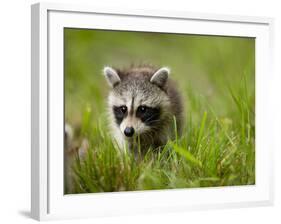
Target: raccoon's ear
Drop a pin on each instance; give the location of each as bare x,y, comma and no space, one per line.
160,77
111,76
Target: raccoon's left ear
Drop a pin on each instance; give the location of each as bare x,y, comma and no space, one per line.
160,77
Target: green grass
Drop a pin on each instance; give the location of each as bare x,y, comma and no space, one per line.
214,152
216,76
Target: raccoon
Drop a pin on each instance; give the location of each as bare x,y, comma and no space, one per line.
142,103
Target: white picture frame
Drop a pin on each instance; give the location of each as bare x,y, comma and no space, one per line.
48,200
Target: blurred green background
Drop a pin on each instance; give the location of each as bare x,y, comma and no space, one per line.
205,67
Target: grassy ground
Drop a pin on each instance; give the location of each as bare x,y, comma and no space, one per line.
217,79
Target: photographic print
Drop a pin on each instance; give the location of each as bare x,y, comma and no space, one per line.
153,111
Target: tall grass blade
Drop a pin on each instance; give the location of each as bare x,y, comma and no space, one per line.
187,155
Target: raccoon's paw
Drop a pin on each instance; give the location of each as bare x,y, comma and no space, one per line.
83,148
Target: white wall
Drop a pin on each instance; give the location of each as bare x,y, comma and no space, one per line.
15,110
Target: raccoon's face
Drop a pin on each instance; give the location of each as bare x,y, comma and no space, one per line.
137,103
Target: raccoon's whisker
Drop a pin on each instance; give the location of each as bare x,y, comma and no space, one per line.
149,120
153,121
149,136
152,133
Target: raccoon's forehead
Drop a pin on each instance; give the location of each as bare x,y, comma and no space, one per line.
140,93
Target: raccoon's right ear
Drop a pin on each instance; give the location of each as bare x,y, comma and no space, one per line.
111,76
160,77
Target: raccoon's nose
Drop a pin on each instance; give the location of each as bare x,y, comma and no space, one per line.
129,131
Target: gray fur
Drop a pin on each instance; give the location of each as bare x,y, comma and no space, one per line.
150,86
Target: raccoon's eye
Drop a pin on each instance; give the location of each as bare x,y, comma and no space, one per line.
148,115
142,109
123,109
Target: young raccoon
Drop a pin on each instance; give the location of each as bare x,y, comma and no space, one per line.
143,102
